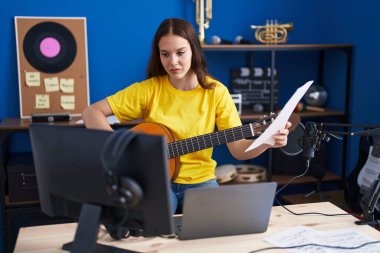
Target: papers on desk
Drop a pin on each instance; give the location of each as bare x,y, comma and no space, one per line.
111,120
281,119
304,235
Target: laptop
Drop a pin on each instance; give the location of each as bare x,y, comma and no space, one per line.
226,210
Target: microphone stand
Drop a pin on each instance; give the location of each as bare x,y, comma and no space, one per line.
314,134
371,196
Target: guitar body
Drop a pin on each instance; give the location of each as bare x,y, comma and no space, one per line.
352,189
364,173
158,129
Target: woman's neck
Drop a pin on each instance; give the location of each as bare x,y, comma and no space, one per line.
188,82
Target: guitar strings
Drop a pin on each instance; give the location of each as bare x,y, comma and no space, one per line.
193,144
197,143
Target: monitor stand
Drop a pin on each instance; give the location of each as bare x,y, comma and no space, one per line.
87,234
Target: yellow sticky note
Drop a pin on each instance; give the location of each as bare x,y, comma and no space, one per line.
51,84
68,102
67,85
32,79
42,101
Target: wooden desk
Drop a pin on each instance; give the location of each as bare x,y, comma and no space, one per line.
49,239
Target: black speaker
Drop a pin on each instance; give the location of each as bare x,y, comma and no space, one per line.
22,181
50,117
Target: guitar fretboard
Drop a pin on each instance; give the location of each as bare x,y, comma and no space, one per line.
193,144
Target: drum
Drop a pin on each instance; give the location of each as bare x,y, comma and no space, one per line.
225,173
249,173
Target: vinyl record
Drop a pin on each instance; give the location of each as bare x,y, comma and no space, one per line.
49,47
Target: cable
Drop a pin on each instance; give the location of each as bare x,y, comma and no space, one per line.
294,178
308,213
316,245
291,180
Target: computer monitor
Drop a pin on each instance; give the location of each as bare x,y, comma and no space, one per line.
102,177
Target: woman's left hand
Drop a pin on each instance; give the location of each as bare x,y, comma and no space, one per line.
281,138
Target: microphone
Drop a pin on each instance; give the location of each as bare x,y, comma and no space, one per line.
306,139
216,40
240,40
309,140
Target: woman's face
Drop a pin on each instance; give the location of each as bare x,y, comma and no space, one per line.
175,55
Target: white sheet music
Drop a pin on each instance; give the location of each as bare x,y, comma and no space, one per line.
281,119
304,235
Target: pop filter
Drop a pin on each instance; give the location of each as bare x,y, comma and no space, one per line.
294,144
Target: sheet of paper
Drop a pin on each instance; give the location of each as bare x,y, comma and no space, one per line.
304,235
68,102
32,79
281,119
51,84
111,120
42,101
66,85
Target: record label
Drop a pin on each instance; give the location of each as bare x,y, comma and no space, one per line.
50,47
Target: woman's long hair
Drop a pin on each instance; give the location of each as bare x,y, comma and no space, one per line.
185,30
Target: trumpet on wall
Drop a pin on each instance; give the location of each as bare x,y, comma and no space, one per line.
203,16
272,33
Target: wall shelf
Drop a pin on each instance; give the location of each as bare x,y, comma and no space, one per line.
284,47
341,115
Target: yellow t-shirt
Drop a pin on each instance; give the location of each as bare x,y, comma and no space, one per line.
185,113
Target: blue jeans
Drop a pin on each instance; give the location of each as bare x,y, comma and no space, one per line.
178,192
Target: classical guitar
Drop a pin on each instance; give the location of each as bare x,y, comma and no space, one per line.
177,148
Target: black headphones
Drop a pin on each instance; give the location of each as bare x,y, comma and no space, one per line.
125,191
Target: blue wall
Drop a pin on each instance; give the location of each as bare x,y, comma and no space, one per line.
120,32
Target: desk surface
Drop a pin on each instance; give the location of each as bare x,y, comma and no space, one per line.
50,238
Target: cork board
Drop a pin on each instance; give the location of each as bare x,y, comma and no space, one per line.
52,65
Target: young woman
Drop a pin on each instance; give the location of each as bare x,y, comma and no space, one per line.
181,95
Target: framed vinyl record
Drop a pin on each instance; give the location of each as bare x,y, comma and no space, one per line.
52,65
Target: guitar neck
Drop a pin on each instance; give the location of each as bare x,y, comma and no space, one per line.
193,144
